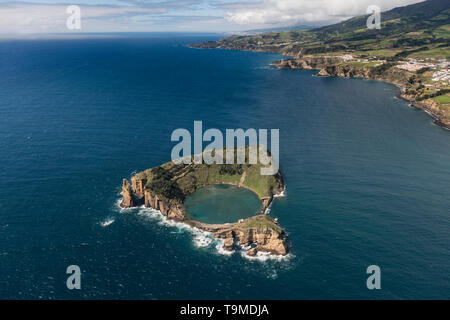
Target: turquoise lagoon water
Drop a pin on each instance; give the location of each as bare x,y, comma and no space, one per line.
367,176
222,204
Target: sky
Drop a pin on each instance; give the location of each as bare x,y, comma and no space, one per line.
49,16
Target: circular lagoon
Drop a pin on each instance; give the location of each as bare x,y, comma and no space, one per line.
222,204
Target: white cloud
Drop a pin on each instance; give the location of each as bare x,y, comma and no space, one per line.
309,12
179,15
43,18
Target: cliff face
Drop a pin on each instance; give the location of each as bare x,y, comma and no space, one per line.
337,67
265,237
412,35
165,188
170,208
128,200
307,63
407,81
138,186
344,71
266,240
327,66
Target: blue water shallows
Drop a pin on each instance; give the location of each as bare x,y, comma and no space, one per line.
367,176
222,204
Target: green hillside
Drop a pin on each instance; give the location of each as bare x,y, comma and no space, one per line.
405,30
412,50
175,181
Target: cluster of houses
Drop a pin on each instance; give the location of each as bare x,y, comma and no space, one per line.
443,74
441,68
414,65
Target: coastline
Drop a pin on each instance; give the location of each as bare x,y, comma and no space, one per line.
298,62
323,72
248,233
166,187
202,238
418,105
411,50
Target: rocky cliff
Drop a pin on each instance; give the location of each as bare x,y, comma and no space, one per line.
265,240
128,199
134,194
307,63
261,232
411,87
328,67
164,188
412,36
172,209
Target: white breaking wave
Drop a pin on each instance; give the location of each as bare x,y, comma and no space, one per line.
221,250
107,222
281,194
265,256
203,239
121,209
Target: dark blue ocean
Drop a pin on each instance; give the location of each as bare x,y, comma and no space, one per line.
368,177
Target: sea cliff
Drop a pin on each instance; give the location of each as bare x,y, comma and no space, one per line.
409,84
410,50
165,188
416,87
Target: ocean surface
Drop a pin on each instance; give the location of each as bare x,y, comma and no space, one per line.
367,176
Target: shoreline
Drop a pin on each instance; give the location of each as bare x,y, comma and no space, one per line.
418,105
214,243
437,120
413,102
259,231
251,243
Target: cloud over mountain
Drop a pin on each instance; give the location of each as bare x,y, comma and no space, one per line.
49,16
313,12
